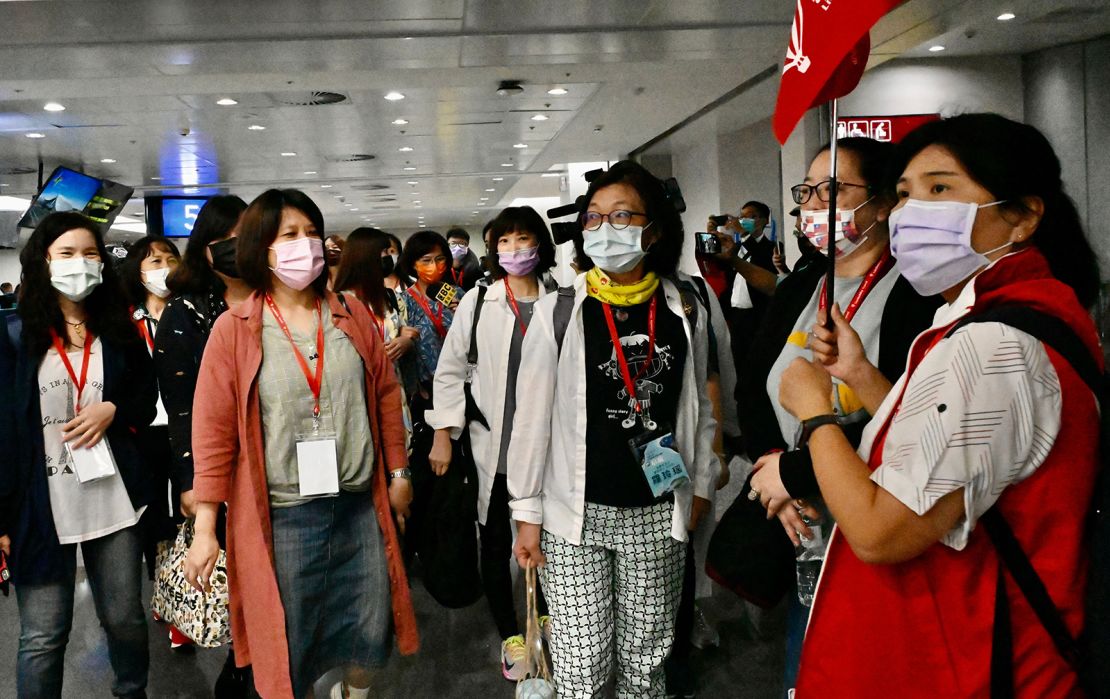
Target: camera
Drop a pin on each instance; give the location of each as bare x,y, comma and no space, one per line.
707,243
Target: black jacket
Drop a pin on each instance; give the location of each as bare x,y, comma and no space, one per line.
467,275
905,316
25,513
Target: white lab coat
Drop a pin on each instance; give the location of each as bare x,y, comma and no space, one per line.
495,333
547,454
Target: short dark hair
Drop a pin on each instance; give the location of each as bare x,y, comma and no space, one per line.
520,218
457,232
259,229
360,268
762,209
663,256
418,245
130,270
1012,161
395,242
217,218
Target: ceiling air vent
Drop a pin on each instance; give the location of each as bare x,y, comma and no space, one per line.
1070,15
370,187
313,98
352,158
17,170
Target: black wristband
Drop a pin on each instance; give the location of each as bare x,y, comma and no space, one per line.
796,474
808,426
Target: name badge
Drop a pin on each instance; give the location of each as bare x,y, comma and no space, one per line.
317,467
663,467
92,463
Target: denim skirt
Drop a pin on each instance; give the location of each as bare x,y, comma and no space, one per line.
334,586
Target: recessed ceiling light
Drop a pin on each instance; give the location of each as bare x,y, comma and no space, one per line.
4,184
498,179
539,117
557,91
354,208
491,190
413,182
156,179
473,212
417,201
190,190
408,38
404,149
107,161
394,96
54,107
414,193
325,186
936,49
35,134
227,102
256,127
288,154
400,122
338,196
310,172
408,169
520,145
1006,16
506,164
551,174
416,206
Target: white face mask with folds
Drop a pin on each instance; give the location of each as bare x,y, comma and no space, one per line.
75,277
615,250
155,281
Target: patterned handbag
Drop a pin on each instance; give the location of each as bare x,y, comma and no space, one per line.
203,617
537,684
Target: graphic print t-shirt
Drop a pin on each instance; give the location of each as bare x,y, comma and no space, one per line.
613,473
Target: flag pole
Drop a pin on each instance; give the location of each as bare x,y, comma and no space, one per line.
830,278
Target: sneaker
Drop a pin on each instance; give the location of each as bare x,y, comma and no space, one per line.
703,635
545,628
513,654
179,640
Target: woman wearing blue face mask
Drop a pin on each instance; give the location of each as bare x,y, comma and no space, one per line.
76,384
611,459
973,434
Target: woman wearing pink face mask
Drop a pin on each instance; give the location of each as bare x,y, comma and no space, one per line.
524,252
990,436
298,425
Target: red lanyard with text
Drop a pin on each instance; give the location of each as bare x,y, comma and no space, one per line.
629,380
458,276
79,385
516,309
314,382
877,272
437,319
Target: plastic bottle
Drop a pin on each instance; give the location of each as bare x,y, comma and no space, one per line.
810,557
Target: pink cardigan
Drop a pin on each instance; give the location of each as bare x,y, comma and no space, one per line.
229,463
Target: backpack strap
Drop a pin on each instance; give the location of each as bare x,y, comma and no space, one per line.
560,317
473,412
1057,334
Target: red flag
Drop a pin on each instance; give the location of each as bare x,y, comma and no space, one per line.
829,45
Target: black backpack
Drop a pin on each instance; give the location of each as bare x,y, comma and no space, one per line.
1088,655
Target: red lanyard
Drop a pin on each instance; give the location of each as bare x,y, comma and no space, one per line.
877,272
458,277
629,380
379,326
78,384
516,309
314,382
437,319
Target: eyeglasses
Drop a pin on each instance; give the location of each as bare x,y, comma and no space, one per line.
803,192
620,219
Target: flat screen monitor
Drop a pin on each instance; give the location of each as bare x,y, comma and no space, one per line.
172,217
69,190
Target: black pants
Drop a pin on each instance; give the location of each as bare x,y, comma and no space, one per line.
496,537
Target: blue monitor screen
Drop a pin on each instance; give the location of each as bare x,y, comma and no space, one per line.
179,215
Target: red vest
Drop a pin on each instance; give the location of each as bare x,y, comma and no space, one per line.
923,628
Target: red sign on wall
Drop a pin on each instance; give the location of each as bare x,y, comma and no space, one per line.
889,129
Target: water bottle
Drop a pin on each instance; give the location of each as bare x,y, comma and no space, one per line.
810,556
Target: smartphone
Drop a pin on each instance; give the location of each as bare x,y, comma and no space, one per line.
719,220
707,243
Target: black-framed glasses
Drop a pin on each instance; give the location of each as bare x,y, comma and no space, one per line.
804,192
619,219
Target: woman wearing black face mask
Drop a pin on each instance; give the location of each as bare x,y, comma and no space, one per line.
203,286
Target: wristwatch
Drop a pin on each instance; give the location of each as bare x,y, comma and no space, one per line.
810,425
405,473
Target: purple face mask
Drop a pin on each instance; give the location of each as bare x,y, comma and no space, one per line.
519,262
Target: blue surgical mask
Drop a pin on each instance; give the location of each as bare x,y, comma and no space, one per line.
615,250
747,225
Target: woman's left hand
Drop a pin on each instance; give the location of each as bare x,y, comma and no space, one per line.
767,481
87,429
395,349
400,497
806,389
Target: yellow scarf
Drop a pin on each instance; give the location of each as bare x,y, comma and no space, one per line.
604,289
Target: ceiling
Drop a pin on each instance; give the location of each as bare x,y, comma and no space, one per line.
140,83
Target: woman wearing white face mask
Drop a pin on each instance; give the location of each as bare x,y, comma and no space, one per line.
296,425
75,385
524,252
971,446
620,362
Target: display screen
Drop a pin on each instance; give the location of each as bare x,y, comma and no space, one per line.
69,190
179,215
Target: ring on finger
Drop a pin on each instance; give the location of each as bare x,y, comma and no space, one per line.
753,494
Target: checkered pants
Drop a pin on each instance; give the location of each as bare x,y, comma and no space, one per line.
622,584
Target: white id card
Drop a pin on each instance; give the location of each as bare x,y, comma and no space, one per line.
317,467
92,463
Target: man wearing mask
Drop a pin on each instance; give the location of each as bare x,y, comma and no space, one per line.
809,254
465,268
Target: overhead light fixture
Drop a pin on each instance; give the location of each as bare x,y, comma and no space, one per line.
557,91
310,172
35,134
408,169
404,149
256,127
54,107
156,179
190,190
491,190
539,117
288,154
473,212
4,184
413,182
227,102
400,122
551,174
507,88
325,186
354,208
107,161
520,145
417,201
936,49
1006,16
394,96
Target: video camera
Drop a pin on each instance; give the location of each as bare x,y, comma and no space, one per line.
566,231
